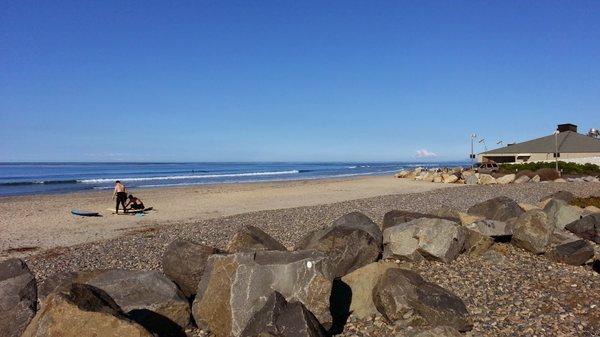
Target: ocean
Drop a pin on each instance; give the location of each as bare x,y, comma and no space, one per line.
51,178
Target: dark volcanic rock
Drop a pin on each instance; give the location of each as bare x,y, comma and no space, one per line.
184,261
82,310
596,266
396,217
499,208
575,253
350,242
282,319
251,239
587,227
18,297
399,291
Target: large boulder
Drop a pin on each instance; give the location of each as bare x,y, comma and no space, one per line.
472,179
532,231
251,239
235,287
492,228
352,241
560,213
506,179
361,283
522,179
436,239
399,292
500,208
18,297
587,227
486,179
396,217
450,179
279,318
80,311
184,261
575,252
141,292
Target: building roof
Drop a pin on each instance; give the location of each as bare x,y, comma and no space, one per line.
568,142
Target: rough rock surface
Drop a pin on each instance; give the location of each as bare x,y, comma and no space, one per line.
18,297
251,239
565,196
532,231
439,331
236,286
522,179
400,291
82,310
561,214
184,261
361,282
472,179
574,253
351,242
587,227
144,291
500,208
486,179
437,239
282,319
396,217
506,179
477,243
492,228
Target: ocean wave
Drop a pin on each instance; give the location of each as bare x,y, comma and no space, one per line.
39,182
199,176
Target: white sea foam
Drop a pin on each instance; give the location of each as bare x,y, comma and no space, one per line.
199,176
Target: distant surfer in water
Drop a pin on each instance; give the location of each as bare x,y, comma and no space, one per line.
135,203
120,194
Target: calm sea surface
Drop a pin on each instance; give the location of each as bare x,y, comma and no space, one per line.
48,178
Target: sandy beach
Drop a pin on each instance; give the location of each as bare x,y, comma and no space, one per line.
30,224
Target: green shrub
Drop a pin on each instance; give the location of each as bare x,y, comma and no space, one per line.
566,168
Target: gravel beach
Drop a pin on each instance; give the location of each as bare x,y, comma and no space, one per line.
509,293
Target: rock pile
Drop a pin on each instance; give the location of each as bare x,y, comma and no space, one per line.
259,288
459,175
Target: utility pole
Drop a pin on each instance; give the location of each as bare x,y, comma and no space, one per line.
473,136
556,152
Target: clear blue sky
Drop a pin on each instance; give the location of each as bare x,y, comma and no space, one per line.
290,80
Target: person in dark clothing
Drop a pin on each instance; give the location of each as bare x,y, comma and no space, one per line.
135,203
120,194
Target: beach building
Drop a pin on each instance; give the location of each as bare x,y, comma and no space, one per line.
567,142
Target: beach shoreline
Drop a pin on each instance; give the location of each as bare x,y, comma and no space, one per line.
33,223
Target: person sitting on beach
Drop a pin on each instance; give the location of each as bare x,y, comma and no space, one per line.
120,194
135,203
